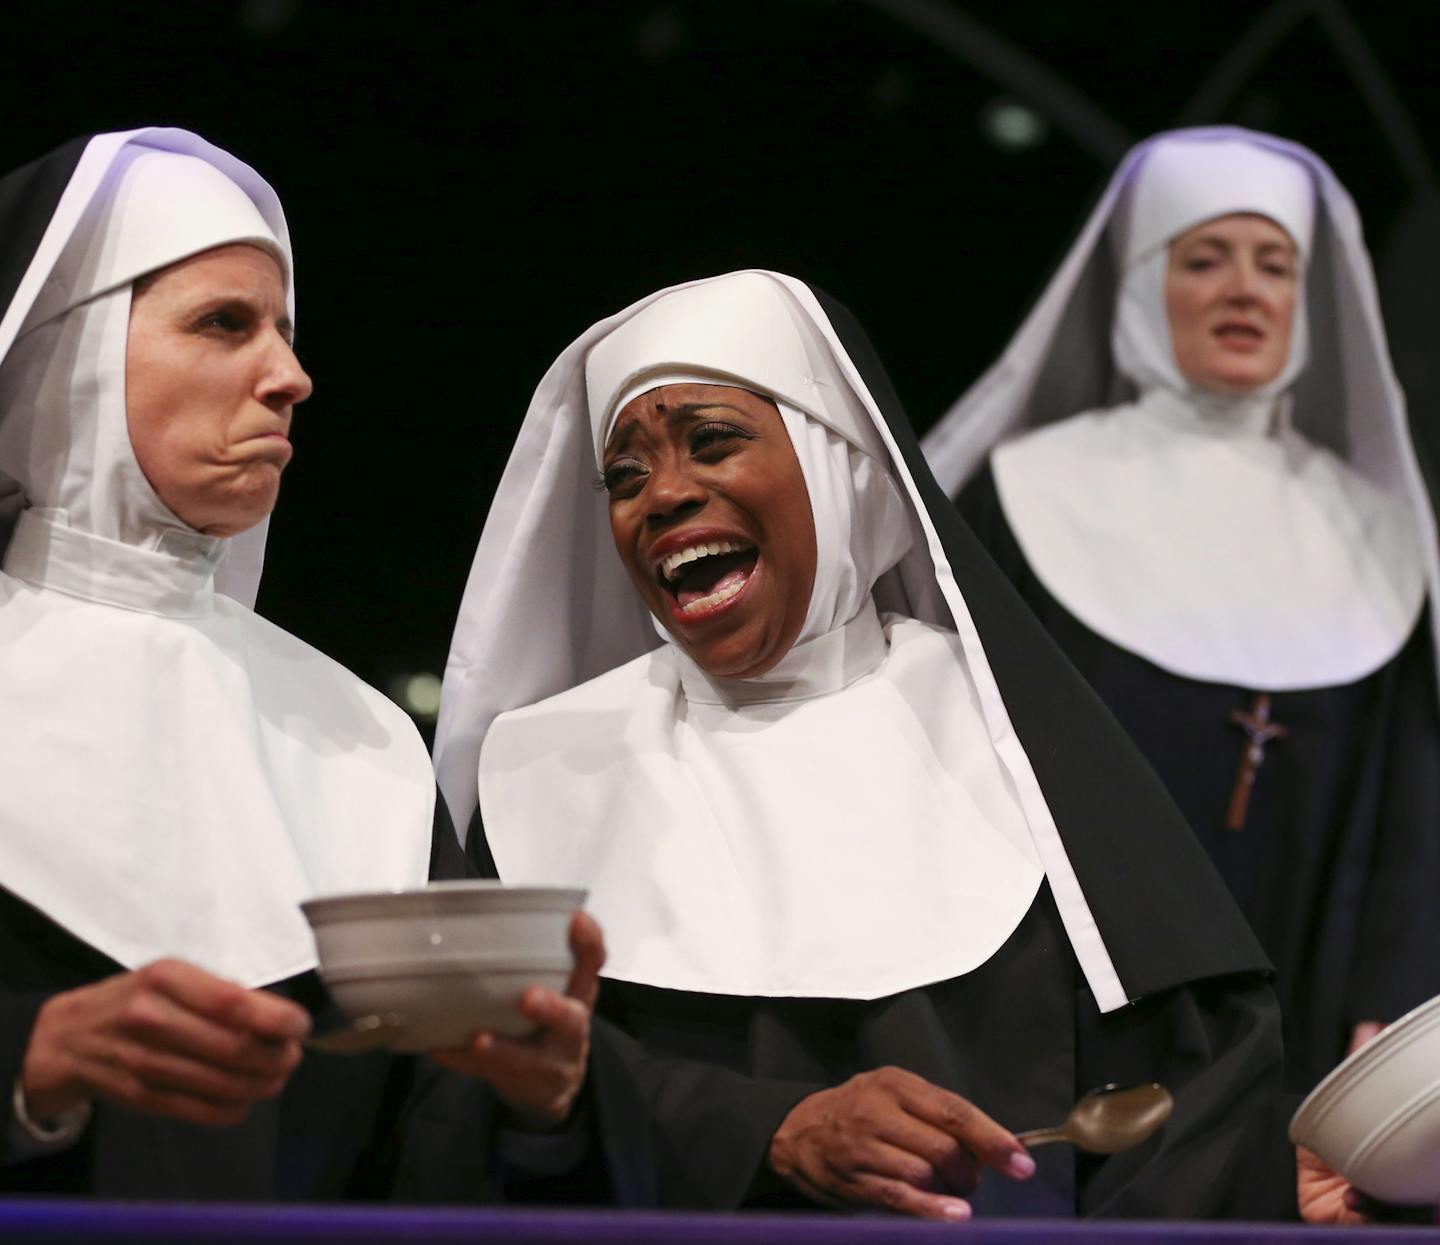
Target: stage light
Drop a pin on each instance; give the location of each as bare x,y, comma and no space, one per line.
418,694
1012,126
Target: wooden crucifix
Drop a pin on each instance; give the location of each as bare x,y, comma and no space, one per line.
1259,731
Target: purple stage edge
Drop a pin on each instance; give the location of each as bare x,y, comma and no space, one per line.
25,1220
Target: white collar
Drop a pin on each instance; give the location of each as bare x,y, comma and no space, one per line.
1215,415
1218,546
728,847
175,579
826,664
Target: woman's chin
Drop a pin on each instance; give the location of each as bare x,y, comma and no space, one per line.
1235,378
738,656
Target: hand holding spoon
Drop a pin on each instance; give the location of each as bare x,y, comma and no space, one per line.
1109,1119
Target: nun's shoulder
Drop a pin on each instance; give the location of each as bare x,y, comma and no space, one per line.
314,696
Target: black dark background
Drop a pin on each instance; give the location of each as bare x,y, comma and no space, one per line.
470,184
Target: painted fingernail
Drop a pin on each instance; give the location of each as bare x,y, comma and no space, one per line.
1021,1166
958,1211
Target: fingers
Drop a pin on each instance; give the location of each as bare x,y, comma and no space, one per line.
587,944
931,1159
169,1039
889,1138
132,1072
529,1079
903,1199
224,1002
1363,1032
846,1192
156,1022
991,1145
564,1021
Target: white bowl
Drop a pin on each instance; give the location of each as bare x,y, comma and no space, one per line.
450,958
1376,1118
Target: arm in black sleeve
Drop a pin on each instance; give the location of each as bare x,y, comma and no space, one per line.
1224,1154
18,1010
685,1132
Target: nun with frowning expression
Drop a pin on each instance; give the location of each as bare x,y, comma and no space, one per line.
178,772
1233,543
881,880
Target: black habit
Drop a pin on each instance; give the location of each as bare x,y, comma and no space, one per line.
1338,859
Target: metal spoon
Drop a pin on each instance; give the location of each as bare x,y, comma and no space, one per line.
1109,1119
360,1036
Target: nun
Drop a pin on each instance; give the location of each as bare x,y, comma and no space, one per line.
1193,461
178,772
882,882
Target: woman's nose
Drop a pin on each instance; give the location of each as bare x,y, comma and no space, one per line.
1244,283
673,491
285,382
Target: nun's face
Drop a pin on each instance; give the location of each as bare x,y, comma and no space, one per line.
712,519
1230,294
210,382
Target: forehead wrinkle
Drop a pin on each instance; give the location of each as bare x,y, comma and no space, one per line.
691,408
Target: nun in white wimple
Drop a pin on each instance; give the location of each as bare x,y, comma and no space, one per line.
1238,556
879,878
178,772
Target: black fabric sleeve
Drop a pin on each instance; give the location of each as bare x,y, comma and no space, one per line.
686,1133
1397,959
18,1011
1223,1154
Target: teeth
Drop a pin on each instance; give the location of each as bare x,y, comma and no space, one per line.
704,603
672,562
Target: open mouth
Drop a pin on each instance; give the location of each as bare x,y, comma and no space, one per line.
706,574
1240,334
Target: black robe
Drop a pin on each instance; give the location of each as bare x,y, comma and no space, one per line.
1338,864
1021,1036
339,1129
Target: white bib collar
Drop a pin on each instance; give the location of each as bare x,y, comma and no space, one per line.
849,834
826,664
1217,543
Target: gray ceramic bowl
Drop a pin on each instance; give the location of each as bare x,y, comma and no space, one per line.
450,958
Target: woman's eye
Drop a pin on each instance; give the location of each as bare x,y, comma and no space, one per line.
1200,263
223,322
620,477
715,435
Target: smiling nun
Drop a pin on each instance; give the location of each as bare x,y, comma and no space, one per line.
880,878
179,773
1237,556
